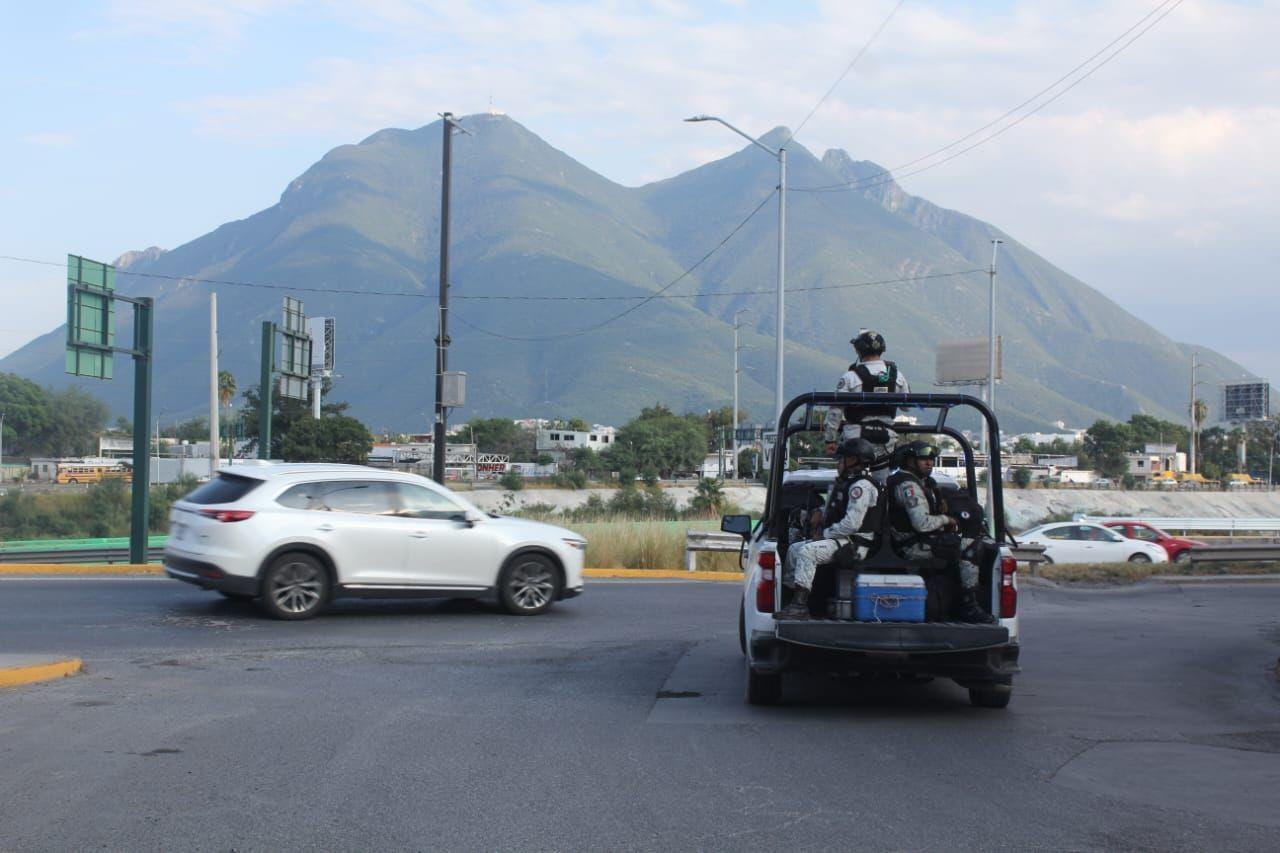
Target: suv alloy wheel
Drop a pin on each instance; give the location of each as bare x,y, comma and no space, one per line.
528,585
295,586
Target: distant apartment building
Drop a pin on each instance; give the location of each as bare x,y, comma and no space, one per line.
557,443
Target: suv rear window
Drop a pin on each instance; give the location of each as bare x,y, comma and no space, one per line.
223,489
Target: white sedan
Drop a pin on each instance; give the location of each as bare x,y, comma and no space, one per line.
1076,542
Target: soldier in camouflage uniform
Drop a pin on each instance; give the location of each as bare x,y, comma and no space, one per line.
917,517
870,374
845,519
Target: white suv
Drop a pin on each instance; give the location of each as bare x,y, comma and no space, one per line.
297,535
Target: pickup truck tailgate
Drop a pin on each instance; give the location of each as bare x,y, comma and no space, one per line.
892,636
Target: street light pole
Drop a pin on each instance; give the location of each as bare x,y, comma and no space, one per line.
2,440
779,154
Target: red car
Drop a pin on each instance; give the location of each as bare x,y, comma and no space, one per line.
1179,550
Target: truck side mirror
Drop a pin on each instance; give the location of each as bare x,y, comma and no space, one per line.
739,524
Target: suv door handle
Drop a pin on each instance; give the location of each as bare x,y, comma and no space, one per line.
325,528
419,534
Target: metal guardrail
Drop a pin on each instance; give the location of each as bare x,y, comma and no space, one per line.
1260,552
708,540
78,555
1187,525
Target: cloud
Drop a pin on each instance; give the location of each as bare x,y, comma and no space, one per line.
223,19
50,140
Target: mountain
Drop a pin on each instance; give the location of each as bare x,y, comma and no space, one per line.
361,226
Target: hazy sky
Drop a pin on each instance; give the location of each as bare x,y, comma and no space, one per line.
150,122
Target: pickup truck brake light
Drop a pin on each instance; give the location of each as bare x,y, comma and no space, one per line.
765,589
1008,592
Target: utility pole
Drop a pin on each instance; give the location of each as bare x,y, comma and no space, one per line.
442,327
214,445
991,331
736,371
264,389
1191,445
2,445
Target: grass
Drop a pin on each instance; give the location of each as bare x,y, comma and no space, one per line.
626,543
1127,573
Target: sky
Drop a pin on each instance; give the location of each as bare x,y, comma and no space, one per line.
132,123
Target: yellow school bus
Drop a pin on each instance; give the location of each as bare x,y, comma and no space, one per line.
92,473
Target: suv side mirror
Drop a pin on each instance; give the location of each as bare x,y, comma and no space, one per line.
739,524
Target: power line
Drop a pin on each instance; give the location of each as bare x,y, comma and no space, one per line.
538,298
717,247
252,284
857,56
1160,12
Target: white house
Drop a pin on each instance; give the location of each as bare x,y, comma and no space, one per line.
557,443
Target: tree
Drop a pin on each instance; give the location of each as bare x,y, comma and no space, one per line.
1022,477
1024,445
196,429
298,437
661,441
27,415
77,420
1107,443
708,497
501,435
226,388
335,438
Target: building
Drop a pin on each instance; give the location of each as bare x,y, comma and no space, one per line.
557,443
1156,459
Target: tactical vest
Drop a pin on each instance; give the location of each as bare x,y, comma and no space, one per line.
898,517
872,383
839,505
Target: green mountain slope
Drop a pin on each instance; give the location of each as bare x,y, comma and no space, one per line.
362,225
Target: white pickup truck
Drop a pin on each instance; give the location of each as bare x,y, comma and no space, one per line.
980,657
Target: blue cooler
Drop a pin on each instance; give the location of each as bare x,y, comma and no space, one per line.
889,598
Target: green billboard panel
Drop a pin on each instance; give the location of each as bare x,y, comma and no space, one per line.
91,317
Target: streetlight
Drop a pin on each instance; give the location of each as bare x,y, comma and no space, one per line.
2,439
736,371
991,342
780,154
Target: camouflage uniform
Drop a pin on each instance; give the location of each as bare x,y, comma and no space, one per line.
804,558
920,506
835,428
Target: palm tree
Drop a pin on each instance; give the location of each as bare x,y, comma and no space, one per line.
1199,414
226,387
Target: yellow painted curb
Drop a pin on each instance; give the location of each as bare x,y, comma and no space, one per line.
12,676
80,569
658,574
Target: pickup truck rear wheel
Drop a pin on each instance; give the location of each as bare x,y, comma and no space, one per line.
991,695
763,689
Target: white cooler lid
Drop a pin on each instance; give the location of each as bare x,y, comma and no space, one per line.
906,581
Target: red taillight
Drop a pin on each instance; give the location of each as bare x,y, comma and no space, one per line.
227,514
764,589
1008,592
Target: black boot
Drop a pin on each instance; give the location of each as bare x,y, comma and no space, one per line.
972,612
798,609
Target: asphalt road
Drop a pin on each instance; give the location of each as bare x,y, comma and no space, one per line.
1145,719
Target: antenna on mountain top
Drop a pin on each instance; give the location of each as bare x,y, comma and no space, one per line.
493,111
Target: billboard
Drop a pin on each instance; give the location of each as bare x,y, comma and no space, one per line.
322,332
295,362
1246,401
967,361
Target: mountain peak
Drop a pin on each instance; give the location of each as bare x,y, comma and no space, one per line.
136,256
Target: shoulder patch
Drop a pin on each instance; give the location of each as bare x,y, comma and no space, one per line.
840,386
855,493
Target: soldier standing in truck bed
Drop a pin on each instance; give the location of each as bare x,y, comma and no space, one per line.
870,374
